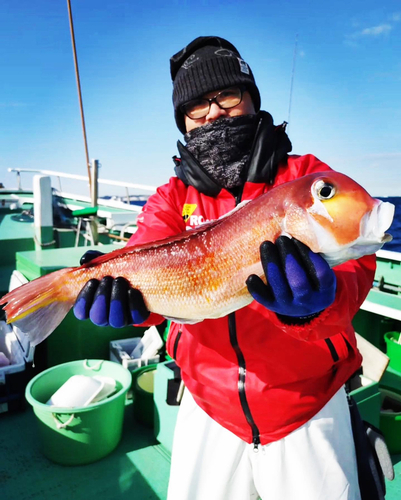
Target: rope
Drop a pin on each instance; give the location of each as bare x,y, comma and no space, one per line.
44,245
94,367
62,425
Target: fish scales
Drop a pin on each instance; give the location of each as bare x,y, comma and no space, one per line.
217,262
202,273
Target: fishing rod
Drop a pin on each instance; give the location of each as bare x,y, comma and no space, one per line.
74,50
292,76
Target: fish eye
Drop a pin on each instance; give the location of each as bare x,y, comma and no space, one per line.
324,190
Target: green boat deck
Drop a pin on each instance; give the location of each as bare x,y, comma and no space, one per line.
137,469
14,237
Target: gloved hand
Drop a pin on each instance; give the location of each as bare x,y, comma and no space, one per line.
109,301
300,283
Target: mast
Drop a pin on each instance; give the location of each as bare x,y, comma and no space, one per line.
74,50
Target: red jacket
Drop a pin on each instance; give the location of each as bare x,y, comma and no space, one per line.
256,376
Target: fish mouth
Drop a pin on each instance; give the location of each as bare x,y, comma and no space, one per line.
375,223
373,236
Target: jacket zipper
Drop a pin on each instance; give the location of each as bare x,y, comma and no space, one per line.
241,376
232,328
176,341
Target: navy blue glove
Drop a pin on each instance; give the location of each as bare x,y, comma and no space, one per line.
300,283
109,301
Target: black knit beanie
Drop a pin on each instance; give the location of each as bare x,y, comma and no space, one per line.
208,63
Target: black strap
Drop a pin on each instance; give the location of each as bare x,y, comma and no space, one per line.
370,475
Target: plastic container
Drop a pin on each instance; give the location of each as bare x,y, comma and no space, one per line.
143,384
390,419
81,435
393,349
136,352
17,356
82,390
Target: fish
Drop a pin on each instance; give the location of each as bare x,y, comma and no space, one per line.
201,273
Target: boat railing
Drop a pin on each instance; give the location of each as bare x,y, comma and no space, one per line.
62,175
389,255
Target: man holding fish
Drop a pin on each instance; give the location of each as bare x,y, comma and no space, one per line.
261,329
264,413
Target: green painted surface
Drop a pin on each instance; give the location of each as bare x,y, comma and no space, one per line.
11,229
137,469
101,207
85,212
373,327
34,264
44,239
369,402
14,237
385,299
389,270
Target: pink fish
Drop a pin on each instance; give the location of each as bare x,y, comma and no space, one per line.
201,274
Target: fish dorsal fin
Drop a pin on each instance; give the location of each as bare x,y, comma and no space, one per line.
165,241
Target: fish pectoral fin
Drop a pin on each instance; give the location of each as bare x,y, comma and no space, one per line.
184,321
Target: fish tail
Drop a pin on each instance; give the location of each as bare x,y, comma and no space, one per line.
39,306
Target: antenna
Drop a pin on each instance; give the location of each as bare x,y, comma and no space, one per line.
292,76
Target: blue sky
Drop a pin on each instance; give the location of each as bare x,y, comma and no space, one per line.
346,100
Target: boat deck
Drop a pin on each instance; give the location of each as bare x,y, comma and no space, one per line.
14,237
137,469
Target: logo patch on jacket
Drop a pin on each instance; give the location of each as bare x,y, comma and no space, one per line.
187,210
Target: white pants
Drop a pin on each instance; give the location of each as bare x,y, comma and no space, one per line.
315,462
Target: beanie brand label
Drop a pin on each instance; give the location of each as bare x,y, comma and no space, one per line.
243,66
191,60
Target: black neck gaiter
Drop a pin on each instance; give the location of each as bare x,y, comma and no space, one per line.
222,147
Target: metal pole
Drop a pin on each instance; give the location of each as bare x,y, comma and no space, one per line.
94,196
94,183
74,50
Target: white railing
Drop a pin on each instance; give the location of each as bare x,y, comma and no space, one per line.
62,175
389,255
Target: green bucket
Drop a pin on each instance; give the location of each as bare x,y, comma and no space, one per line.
80,435
393,349
144,406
